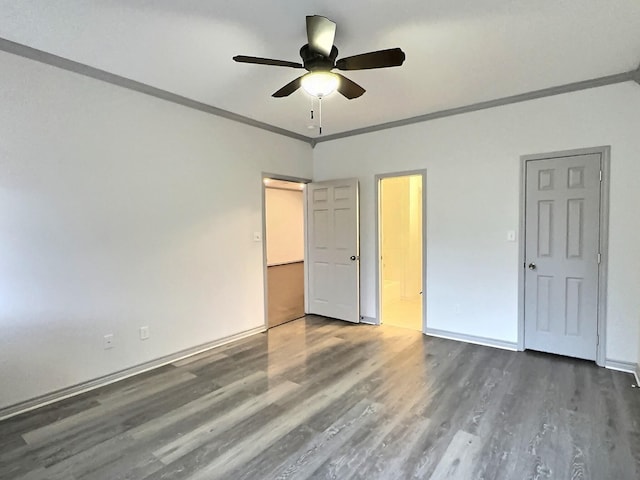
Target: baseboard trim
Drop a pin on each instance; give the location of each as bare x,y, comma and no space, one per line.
84,387
627,367
368,320
463,337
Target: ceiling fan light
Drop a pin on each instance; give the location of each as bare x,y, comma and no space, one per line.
320,84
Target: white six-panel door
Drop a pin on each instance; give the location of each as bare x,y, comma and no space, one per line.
333,249
562,255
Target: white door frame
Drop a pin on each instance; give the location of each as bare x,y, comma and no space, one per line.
378,180
277,176
605,156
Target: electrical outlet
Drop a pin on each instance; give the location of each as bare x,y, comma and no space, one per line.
144,333
108,341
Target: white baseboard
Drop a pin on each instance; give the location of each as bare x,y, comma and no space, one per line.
369,320
74,390
627,367
463,337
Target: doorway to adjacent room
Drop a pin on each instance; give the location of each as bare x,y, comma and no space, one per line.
401,249
284,250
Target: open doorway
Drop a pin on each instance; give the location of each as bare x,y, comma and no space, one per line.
401,227
284,250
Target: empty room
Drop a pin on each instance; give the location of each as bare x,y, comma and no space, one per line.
304,240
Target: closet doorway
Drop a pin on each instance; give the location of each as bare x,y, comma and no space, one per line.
401,249
284,250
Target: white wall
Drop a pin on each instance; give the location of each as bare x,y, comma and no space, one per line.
119,210
285,226
473,168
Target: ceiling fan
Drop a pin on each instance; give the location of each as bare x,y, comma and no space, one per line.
319,58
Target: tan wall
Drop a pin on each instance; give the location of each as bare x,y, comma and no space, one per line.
414,267
285,226
401,242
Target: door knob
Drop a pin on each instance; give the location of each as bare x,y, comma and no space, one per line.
353,258
532,266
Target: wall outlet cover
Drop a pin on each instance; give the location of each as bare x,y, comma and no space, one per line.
108,341
144,333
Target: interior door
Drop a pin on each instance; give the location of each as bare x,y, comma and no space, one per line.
333,249
562,233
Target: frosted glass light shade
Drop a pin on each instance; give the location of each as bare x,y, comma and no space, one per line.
320,84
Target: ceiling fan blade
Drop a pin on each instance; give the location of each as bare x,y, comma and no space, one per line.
266,61
393,57
349,88
289,88
320,34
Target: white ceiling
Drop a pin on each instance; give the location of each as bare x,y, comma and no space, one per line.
458,52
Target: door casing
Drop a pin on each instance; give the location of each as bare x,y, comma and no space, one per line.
378,180
285,178
605,154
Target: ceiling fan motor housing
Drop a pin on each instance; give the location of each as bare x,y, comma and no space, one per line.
315,61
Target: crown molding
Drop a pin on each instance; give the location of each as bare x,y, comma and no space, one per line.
102,75
499,102
124,82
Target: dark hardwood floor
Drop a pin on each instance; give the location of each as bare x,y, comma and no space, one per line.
317,398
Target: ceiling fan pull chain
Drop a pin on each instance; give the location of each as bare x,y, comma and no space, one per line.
320,114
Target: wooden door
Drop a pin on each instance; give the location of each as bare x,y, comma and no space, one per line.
333,249
562,228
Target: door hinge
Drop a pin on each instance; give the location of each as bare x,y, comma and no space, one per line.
599,258
600,175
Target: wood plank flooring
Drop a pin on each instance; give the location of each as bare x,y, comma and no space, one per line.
285,293
317,398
